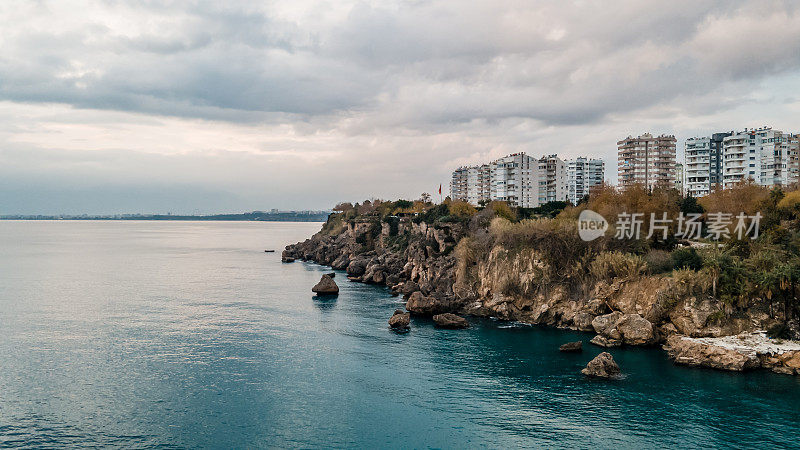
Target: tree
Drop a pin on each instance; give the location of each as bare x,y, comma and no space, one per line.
689,205
425,197
342,207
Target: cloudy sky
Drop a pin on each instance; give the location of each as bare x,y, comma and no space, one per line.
206,106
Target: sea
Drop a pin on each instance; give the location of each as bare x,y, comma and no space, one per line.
144,334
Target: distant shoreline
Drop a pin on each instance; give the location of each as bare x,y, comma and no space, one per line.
289,216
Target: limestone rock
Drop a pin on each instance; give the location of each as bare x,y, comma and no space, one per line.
408,288
400,320
357,268
326,286
448,320
603,341
696,352
607,324
425,305
636,330
583,321
602,366
576,346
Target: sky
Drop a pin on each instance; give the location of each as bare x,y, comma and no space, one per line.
206,106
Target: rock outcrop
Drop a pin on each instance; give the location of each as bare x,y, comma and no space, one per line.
602,366
449,320
617,328
426,305
738,353
571,347
400,320
326,286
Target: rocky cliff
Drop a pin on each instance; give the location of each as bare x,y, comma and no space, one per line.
425,263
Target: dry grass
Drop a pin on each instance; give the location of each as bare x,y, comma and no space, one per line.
609,265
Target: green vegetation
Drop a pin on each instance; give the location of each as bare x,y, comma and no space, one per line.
743,273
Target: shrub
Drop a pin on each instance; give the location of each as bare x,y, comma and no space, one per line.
609,265
462,209
687,258
779,331
659,261
501,209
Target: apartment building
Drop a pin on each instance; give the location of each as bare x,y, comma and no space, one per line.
471,184
518,179
515,179
552,179
766,156
648,160
703,164
583,174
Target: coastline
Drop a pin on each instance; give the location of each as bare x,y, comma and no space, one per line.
622,311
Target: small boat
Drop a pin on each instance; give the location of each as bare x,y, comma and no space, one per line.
269,251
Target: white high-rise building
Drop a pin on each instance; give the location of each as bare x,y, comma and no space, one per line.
766,156
582,175
703,164
515,179
552,179
518,179
471,184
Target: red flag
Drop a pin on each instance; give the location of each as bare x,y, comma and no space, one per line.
440,189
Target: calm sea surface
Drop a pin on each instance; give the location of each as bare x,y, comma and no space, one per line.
186,334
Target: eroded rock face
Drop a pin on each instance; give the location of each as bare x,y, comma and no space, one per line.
616,328
691,316
694,352
636,330
603,341
741,352
400,320
576,346
606,325
602,366
449,320
326,286
425,305
357,268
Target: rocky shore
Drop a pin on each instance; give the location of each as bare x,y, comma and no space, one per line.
417,260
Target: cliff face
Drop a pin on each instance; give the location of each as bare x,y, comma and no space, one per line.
418,257
438,271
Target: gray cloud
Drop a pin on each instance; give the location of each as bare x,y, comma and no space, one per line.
398,90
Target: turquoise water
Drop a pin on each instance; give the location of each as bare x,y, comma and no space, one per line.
180,334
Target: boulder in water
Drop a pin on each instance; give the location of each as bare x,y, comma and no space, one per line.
602,366
400,320
449,320
576,346
326,286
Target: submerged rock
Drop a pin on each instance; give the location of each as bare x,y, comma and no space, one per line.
326,286
448,320
602,366
576,346
332,274
400,320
